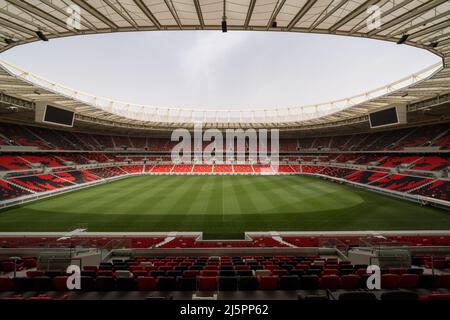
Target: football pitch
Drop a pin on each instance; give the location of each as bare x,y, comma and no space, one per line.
222,205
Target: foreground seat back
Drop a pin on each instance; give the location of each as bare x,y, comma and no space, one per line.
105,283
146,283
331,282
166,283
248,283
291,282
390,281
408,281
268,282
207,283
350,281
309,282
228,283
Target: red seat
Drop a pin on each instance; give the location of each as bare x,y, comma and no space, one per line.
209,273
280,272
444,280
438,263
361,272
8,266
6,284
140,273
90,268
268,282
207,283
350,281
329,271
191,273
35,273
241,267
212,267
439,296
331,282
146,283
270,267
390,281
408,281
165,268
399,271
60,283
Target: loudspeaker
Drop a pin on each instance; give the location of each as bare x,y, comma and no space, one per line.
224,26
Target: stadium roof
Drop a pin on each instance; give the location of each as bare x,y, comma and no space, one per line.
423,24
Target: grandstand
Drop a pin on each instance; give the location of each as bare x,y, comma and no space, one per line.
104,191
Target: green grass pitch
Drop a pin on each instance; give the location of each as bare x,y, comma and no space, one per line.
222,205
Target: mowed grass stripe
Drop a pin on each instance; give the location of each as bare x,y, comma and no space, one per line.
222,205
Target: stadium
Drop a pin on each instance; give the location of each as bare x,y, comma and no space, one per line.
324,192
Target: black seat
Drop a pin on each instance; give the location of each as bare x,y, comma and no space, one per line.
117,261
309,282
428,281
248,283
287,267
157,273
43,283
226,268
174,273
297,272
54,273
87,283
227,273
164,283
105,283
244,273
315,271
418,271
256,267
357,296
23,284
187,284
346,271
360,266
126,284
290,282
196,267
105,266
122,266
92,274
228,283
181,268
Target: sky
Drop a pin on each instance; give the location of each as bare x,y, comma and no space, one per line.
215,70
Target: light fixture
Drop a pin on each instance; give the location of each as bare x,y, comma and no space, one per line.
224,25
403,39
41,35
433,44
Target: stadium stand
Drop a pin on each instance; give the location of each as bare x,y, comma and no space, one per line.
379,177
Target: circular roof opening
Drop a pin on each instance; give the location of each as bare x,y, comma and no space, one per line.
209,70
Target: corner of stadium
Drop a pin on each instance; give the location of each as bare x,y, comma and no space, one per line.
358,185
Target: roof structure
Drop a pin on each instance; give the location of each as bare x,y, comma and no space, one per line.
419,23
